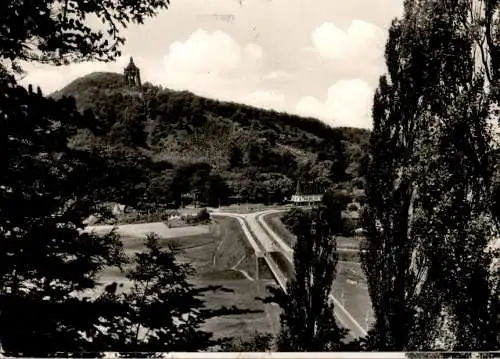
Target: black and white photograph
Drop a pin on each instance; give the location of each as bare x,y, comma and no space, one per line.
269,178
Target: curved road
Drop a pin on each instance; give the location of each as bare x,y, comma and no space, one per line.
269,241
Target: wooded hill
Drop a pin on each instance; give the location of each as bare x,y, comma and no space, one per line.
170,147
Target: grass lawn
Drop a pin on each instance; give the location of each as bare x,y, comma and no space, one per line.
244,296
233,245
351,282
139,230
348,255
220,256
349,242
356,299
352,271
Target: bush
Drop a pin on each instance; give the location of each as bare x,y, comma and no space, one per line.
358,183
290,219
260,342
352,207
348,228
203,216
144,217
362,199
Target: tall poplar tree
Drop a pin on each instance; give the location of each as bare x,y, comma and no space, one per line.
429,219
308,322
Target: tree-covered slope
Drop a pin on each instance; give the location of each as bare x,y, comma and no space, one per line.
219,149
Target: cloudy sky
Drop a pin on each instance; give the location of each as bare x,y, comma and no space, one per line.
319,58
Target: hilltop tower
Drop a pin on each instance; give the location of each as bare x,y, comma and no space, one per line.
132,74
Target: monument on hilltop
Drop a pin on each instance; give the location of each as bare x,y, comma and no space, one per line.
132,75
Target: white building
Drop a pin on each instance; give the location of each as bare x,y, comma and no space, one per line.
307,194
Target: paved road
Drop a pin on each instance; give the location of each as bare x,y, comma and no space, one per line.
271,242
267,243
285,248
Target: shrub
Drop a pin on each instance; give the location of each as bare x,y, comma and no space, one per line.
348,228
203,216
352,207
358,183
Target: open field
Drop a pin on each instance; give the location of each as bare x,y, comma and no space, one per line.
349,242
352,271
221,256
233,245
350,288
244,297
141,229
348,255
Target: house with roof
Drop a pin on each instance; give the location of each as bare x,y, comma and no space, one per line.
307,194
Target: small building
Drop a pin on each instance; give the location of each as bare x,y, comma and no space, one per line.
307,194
118,209
132,75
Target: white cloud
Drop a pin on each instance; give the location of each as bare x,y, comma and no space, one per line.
254,54
309,106
210,64
278,75
362,40
202,52
348,103
265,99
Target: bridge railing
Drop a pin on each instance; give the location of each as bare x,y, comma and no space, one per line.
278,274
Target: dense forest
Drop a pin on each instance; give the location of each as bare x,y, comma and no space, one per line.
172,148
